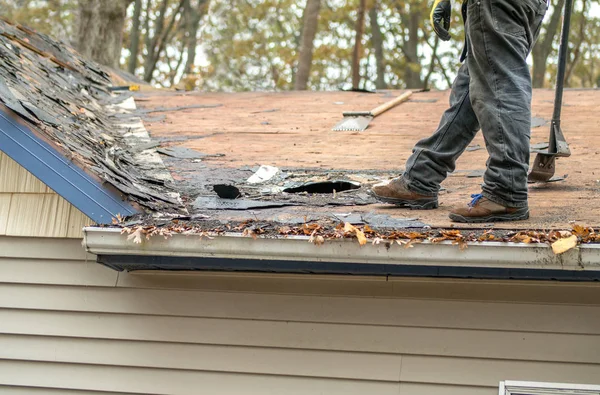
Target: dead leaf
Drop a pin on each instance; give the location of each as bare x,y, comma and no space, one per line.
362,239
285,230
136,235
317,240
249,233
581,231
351,229
412,243
563,245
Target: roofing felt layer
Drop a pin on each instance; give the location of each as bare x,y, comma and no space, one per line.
292,131
65,102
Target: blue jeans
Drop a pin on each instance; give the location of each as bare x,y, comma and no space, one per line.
493,92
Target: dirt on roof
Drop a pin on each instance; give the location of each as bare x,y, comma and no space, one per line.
238,132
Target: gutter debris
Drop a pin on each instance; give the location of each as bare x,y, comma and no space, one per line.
379,221
320,233
563,245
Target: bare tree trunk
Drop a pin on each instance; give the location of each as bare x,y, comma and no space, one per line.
412,75
357,54
173,70
309,31
159,41
432,64
194,16
377,40
411,20
147,18
151,41
134,47
543,48
577,47
100,29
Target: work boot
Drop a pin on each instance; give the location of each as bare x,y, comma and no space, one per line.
396,192
482,209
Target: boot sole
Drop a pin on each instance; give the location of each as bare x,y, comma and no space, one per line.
423,204
519,215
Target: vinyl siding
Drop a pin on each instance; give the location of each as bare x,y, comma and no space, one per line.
29,208
69,325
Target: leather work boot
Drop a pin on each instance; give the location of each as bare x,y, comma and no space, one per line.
482,209
395,192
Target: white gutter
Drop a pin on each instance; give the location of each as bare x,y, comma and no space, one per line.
107,241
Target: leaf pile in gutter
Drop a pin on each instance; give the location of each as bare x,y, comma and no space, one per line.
318,233
66,97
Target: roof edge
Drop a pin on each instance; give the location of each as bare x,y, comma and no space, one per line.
199,253
45,162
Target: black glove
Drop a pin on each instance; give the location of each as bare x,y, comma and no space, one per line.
440,18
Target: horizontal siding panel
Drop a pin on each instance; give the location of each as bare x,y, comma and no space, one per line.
314,284
372,286
43,248
14,178
5,199
315,336
56,272
405,312
177,382
440,389
38,215
349,365
498,290
11,390
489,372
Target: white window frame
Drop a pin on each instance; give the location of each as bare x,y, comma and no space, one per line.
534,388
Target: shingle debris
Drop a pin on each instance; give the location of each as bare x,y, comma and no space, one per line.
67,99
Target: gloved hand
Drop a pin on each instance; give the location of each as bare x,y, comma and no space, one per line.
440,18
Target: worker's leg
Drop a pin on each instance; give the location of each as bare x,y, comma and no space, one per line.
434,157
502,33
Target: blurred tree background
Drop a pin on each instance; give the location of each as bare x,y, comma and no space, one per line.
239,45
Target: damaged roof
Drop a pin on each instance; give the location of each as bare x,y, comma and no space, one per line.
243,161
292,132
66,127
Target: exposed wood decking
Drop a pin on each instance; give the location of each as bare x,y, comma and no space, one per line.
293,130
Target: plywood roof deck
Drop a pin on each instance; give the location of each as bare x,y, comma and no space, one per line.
293,130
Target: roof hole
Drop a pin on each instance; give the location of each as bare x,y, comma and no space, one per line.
324,187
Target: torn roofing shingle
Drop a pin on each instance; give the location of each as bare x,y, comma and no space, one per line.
67,100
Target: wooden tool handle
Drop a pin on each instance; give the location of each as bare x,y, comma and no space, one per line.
392,103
